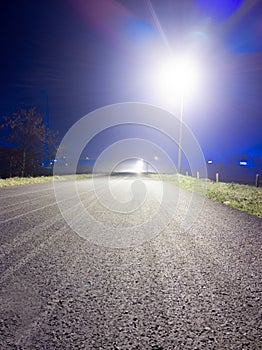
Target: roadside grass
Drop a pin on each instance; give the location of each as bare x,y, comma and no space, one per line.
243,197
16,181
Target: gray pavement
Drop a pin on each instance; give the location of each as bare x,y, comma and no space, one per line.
180,289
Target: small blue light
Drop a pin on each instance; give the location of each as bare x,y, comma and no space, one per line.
243,162
210,162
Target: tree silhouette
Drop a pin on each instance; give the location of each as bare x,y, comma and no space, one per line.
27,132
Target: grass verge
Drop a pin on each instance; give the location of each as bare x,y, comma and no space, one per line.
243,197
16,181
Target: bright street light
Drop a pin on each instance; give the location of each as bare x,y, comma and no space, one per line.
177,76
139,166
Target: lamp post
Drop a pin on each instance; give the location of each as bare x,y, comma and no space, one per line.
179,159
45,93
177,75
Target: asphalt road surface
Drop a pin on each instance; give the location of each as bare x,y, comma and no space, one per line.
176,288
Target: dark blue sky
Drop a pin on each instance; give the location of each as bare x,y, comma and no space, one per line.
88,54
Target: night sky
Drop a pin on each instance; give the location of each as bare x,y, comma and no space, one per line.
86,54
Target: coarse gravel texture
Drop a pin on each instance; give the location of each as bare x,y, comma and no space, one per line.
194,289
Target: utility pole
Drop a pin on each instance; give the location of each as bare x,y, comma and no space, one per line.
46,160
179,166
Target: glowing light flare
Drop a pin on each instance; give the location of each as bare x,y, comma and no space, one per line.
106,17
243,163
177,75
218,9
139,166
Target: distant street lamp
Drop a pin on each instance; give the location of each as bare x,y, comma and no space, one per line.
139,166
178,75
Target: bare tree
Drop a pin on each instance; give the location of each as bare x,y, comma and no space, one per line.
27,131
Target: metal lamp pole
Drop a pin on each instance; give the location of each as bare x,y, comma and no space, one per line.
179,166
